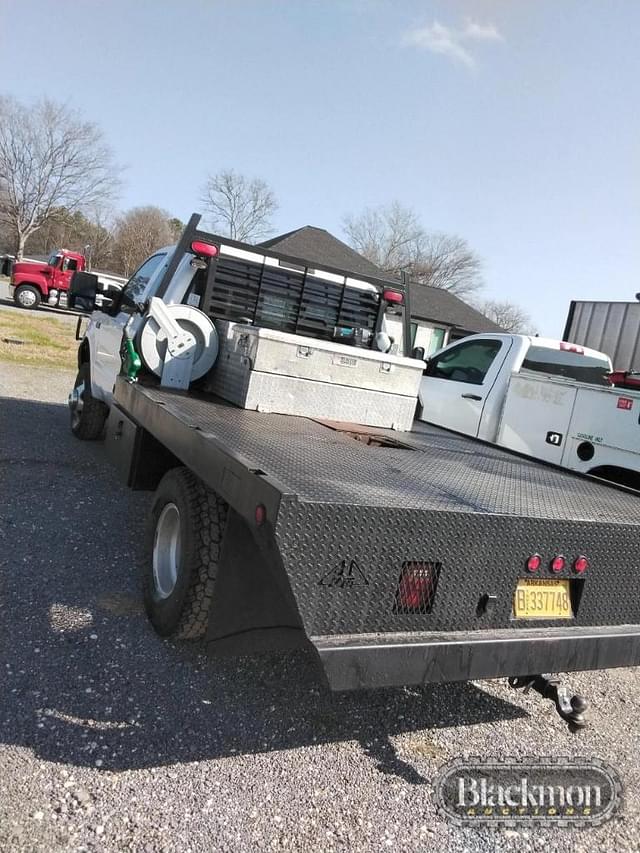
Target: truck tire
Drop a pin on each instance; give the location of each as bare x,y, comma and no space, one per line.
27,296
181,554
88,415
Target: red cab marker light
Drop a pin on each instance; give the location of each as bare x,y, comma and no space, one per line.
581,565
534,562
567,347
204,250
558,563
393,296
261,514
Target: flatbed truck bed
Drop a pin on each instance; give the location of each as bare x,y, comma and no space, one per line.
322,527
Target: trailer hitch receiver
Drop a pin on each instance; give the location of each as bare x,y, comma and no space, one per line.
571,708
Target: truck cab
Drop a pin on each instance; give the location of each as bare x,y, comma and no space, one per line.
33,283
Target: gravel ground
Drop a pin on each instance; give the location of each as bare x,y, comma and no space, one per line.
111,739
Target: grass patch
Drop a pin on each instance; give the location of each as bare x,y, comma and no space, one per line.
44,342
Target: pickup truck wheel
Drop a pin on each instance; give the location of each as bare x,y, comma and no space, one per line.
27,296
182,549
88,415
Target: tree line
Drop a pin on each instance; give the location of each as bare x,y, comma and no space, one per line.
59,180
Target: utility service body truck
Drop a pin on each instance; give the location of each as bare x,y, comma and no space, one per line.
400,556
549,399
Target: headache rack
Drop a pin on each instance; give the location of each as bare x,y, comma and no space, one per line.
276,291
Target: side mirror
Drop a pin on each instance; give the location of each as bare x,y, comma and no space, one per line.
418,352
83,291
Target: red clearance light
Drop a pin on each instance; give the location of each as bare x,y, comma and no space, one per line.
393,296
571,347
558,563
261,514
534,562
417,587
204,250
581,565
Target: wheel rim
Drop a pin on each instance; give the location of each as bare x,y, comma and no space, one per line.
27,298
76,403
166,551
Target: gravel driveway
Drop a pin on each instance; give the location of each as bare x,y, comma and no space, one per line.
111,739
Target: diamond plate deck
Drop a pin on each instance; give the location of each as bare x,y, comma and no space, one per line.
346,516
442,471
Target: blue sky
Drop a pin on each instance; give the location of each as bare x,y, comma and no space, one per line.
513,123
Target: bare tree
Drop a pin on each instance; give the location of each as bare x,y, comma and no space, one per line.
507,315
50,160
239,206
98,238
91,234
137,234
393,238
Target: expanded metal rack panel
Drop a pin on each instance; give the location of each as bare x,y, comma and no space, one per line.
281,298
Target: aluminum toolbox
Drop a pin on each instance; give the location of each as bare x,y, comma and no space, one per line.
273,371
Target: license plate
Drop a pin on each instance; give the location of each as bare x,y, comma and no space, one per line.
542,598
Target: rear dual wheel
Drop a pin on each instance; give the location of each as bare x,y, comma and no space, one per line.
181,555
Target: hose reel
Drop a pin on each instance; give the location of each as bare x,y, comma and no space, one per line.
178,343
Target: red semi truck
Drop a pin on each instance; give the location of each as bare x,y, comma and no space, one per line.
33,283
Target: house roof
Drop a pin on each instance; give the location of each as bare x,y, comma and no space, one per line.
440,306
318,245
427,303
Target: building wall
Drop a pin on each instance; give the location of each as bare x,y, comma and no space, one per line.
611,327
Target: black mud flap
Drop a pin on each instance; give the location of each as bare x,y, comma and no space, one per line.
253,609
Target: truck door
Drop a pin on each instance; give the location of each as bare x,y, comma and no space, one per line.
108,327
458,381
63,275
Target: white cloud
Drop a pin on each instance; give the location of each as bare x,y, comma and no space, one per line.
452,42
481,32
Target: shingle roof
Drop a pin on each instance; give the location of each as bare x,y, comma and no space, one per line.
427,303
440,306
316,244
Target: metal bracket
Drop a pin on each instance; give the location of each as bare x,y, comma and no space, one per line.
570,707
178,359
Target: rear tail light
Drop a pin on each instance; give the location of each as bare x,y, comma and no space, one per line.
558,564
416,588
393,296
204,250
534,562
581,565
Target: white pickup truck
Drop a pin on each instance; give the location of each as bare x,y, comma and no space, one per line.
549,399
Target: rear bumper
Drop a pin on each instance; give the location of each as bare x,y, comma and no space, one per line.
392,660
